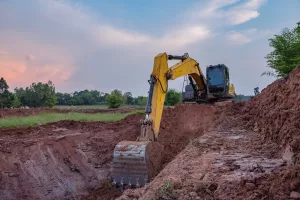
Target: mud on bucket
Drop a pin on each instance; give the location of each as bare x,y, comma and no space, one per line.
136,163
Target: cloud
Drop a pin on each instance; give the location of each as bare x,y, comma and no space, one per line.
30,57
244,12
238,38
78,49
3,52
103,33
20,73
230,12
247,36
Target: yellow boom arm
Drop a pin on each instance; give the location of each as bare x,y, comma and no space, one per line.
159,85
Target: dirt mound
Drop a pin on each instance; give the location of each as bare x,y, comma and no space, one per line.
64,160
275,113
7,112
213,166
182,124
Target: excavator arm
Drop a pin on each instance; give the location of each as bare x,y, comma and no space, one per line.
159,78
136,162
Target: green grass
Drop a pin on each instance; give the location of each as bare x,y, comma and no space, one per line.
95,107
45,118
83,107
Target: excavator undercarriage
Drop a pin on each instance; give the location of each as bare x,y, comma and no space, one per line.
135,163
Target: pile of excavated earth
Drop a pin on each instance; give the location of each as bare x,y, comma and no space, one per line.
248,150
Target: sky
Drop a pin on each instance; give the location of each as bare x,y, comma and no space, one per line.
107,45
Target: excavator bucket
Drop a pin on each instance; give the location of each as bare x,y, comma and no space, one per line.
135,163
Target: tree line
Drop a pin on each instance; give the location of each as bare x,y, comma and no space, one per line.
44,95
36,95
94,97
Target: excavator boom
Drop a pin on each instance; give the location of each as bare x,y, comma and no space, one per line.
160,76
135,163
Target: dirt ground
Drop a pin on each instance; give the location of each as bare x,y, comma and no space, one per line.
64,160
246,150
251,151
71,160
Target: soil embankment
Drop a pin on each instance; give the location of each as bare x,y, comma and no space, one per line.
251,152
244,150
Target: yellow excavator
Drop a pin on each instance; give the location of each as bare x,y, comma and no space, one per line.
135,163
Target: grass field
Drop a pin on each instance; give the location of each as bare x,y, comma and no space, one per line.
45,118
94,107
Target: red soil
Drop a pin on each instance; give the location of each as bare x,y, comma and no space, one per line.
236,151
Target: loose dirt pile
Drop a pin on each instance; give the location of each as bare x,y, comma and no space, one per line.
22,112
274,113
213,166
182,124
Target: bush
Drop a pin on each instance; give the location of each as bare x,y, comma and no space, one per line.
286,53
6,97
115,99
172,97
16,102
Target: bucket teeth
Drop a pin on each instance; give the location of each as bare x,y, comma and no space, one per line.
130,164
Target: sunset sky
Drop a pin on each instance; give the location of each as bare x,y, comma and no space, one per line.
106,45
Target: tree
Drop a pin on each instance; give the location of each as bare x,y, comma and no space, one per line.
51,101
37,95
127,98
141,100
115,99
16,102
286,54
172,97
103,97
21,94
6,97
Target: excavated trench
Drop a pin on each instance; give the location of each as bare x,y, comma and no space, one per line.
72,160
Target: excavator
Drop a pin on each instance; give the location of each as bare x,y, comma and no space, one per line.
135,163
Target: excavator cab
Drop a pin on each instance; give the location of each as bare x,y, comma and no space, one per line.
218,86
218,82
217,79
